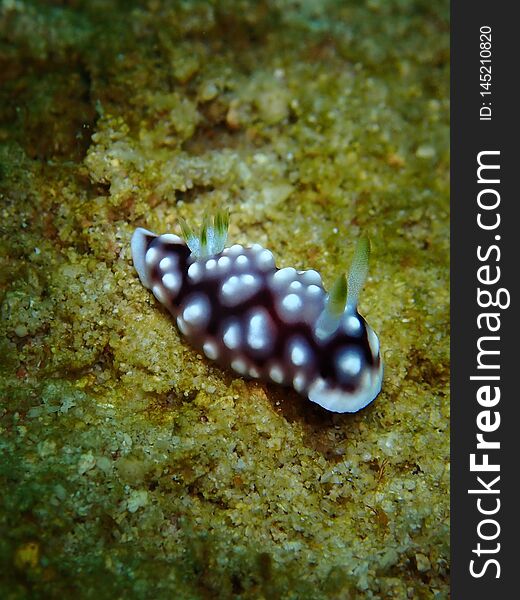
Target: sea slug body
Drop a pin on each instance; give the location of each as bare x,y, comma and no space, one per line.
278,325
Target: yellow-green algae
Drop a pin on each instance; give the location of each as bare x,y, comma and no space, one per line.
130,466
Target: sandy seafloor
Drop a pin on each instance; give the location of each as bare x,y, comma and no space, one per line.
131,467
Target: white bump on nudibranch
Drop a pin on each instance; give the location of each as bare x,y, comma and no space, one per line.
197,311
239,365
265,260
295,286
168,262
349,362
224,263
160,293
352,325
311,277
312,306
313,290
182,325
210,349
195,272
232,335
239,288
234,250
276,374
299,351
230,287
247,279
253,372
261,330
211,265
292,303
299,382
284,276
242,261
151,256
172,282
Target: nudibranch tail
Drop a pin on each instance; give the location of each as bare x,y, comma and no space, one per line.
280,325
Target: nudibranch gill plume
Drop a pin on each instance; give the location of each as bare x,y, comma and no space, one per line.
278,325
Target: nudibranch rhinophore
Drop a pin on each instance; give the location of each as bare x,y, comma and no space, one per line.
274,324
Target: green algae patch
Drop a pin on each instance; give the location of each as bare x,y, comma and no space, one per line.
133,467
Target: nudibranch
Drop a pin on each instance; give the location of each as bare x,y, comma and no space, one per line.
278,325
